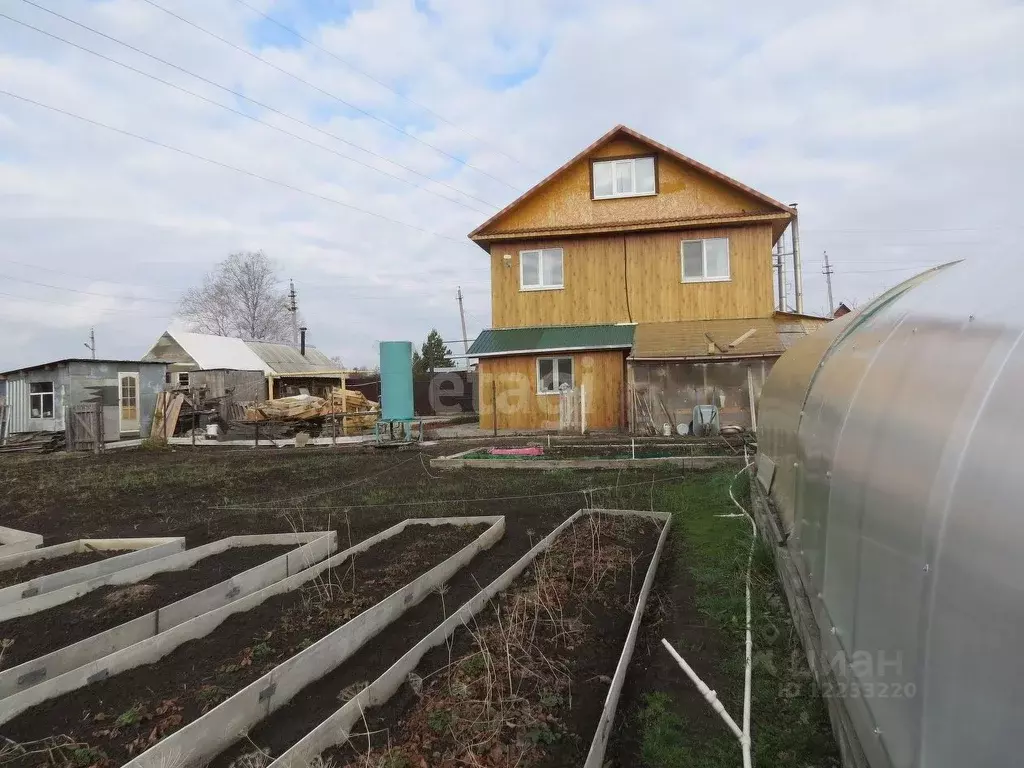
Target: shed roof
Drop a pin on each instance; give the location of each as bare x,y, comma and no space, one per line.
210,352
495,342
284,358
715,339
66,360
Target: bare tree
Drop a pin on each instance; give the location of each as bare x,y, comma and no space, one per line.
240,297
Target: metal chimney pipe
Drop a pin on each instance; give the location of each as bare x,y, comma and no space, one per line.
302,341
798,271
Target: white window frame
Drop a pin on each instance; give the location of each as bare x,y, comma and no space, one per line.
177,379
53,400
554,368
540,270
704,262
632,177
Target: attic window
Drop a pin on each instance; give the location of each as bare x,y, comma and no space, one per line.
627,177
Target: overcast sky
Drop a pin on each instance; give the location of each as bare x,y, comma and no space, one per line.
895,126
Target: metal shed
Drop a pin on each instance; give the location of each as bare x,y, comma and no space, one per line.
887,444
38,396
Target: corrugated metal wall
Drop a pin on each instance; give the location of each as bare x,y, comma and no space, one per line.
18,398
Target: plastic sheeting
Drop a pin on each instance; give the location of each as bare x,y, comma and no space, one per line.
892,435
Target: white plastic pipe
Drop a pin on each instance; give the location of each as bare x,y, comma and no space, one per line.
748,665
707,693
743,734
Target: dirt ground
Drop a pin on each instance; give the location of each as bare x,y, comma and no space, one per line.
40,633
44,567
205,494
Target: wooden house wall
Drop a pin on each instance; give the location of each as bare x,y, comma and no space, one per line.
597,270
683,193
512,383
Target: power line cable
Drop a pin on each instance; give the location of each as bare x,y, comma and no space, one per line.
337,98
87,293
226,166
69,274
239,113
90,309
920,229
240,95
382,84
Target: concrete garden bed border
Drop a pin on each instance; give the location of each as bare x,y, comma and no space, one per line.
336,728
16,598
195,739
201,740
315,547
460,461
13,541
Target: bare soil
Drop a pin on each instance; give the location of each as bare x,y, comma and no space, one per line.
122,716
44,567
40,633
525,684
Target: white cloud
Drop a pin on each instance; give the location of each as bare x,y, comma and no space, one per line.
894,120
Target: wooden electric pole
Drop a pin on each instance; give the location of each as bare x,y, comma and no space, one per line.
293,307
826,270
462,317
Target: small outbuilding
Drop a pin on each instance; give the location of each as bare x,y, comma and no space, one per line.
245,370
38,397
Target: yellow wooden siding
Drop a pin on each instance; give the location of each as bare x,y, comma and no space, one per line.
594,275
520,407
683,193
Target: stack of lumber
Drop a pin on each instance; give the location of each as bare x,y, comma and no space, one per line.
359,412
297,408
34,442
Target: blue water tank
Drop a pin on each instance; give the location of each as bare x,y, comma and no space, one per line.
396,380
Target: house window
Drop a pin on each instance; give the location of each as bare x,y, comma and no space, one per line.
540,270
552,373
40,399
631,177
183,379
705,260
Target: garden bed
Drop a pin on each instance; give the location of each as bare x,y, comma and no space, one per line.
45,566
120,717
28,637
525,682
56,584
689,453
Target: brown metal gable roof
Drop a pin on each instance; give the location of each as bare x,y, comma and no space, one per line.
711,339
622,130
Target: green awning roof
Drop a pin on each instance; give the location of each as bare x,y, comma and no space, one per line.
551,338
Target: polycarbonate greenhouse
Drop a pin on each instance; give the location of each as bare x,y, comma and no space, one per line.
888,442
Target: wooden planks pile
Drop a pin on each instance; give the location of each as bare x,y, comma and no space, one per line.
34,442
165,415
358,413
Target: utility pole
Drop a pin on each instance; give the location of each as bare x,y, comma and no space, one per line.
826,270
462,316
293,307
798,273
91,345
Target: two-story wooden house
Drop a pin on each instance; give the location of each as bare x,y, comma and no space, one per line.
639,276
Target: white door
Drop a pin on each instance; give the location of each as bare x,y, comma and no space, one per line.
128,402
